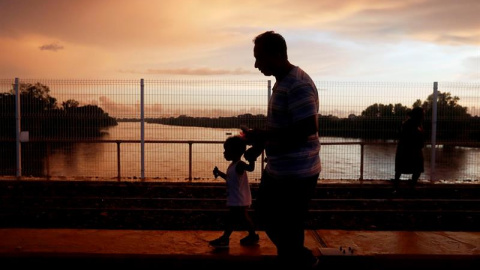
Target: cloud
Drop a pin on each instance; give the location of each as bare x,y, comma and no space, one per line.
472,65
51,47
116,109
200,71
436,21
122,110
203,71
473,62
172,37
170,23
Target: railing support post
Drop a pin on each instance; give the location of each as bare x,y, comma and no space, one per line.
48,160
262,160
118,161
18,128
269,91
362,151
142,130
190,161
434,132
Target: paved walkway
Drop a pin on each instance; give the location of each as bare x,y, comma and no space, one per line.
147,249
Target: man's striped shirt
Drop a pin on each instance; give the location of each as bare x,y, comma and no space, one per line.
293,98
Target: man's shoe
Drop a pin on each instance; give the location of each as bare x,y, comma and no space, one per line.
250,240
316,264
221,242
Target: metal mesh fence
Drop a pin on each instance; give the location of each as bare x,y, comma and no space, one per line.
7,120
341,108
455,159
206,111
92,129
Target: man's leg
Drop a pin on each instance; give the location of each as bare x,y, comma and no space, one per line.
267,209
282,207
291,246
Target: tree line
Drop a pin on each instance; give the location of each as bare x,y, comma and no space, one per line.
377,121
43,117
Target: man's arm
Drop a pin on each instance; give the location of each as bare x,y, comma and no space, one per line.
297,133
289,137
242,167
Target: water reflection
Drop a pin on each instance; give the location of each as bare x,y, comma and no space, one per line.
171,161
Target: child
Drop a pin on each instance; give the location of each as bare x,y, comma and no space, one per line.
239,197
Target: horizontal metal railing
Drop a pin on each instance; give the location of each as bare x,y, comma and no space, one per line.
190,143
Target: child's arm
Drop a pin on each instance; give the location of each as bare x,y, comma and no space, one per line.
217,173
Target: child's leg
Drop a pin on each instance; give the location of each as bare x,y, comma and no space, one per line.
229,222
252,238
241,216
248,221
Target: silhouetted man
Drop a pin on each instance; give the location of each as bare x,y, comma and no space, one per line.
292,150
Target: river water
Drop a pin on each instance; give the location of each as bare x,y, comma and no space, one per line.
170,159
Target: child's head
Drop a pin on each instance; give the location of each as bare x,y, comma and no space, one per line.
234,148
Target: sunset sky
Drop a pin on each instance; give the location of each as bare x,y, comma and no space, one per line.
344,40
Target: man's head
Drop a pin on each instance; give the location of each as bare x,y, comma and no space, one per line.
270,52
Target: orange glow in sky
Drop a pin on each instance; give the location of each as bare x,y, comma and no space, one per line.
348,40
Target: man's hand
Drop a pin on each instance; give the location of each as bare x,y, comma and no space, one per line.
252,153
253,136
257,139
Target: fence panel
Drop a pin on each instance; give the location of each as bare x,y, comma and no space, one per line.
7,128
66,113
458,126
194,106
364,111
91,128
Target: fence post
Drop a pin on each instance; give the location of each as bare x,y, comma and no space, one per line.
362,153
190,162
142,130
434,132
269,90
269,94
118,161
18,128
48,160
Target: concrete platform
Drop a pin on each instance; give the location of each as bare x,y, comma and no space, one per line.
156,249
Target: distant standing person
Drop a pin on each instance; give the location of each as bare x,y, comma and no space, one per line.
292,148
409,155
239,196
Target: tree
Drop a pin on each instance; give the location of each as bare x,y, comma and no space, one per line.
37,93
372,110
400,111
454,123
44,119
417,103
381,110
69,104
447,106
